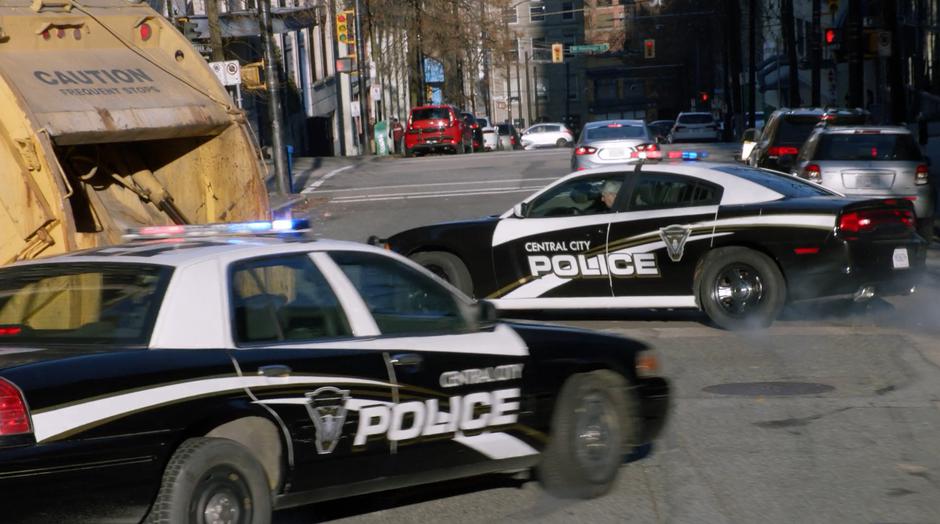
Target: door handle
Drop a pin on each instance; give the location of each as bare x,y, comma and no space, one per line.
274,370
406,359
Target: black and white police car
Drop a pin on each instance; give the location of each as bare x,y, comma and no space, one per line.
737,242
208,378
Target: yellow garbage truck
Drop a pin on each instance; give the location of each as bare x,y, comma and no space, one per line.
110,119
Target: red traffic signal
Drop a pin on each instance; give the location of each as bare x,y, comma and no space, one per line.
703,96
831,35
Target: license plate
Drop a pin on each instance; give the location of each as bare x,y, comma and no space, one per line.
614,153
900,259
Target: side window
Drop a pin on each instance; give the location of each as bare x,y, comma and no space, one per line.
401,299
283,298
553,129
656,191
536,129
578,196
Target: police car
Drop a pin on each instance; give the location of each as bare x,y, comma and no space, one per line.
193,376
735,241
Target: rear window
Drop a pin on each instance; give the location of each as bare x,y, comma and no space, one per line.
863,146
696,118
795,130
503,129
430,113
614,132
80,303
786,185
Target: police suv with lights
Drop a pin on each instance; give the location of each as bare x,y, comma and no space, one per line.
195,377
737,242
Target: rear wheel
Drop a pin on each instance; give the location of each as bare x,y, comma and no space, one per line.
561,142
447,266
739,288
212,481
925,228
593,426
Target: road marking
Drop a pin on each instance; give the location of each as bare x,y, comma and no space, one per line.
433,194
432,184
313,187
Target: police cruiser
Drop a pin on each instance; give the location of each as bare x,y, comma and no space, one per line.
211,374
735,241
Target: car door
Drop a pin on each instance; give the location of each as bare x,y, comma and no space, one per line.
655,242
555,248
283,311
458,386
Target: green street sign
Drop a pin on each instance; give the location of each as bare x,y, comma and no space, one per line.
588,49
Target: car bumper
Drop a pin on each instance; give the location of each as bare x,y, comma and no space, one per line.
653,394
581,162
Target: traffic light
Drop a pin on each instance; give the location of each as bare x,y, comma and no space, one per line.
345,65
345,22
558,53
703,96
831,36
649,48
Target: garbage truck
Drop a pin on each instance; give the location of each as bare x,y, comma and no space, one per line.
109,119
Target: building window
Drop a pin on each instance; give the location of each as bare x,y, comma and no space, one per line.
574,87
604,21
541,88
604,3
536,13
567,10
569,39
605,89
512,16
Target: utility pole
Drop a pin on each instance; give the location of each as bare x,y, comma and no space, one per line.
815,50
895,73
789,42
528,90
519,84
855,54
487,96
752,63
363,88
734,62
215,30
274,99
340,110
509,91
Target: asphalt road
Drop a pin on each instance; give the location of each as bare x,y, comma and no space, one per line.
831,416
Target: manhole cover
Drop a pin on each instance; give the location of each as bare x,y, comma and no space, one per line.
768,389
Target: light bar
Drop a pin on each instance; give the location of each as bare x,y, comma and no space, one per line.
687,155
260,227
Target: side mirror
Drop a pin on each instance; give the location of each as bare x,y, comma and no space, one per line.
519,210
786,162
486,312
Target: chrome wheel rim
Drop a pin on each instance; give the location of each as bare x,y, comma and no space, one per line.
738,289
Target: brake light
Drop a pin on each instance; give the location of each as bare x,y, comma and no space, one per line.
6,331
512,140
920,177
585,150
648,147
14,415
868,220
615,125
813,173
782,150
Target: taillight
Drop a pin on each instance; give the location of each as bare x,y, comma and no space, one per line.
14,416
812,173
648,147
920,177
512,140
585,150
145,31
868,220
782,150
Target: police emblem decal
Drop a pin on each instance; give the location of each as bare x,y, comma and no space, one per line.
675,237
327,409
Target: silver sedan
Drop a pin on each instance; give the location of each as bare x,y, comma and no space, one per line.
612,142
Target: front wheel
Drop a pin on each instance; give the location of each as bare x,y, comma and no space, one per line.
447,266
739,288
212,481
594,425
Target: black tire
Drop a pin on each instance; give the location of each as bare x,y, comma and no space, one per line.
925,228
739,288
561,142
447,266
205,473
594,426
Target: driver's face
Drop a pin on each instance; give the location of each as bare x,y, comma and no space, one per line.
608,199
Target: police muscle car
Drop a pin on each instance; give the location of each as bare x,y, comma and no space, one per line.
735,241
211,379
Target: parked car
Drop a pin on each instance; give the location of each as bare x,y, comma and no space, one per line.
660,129
189,376
787,129
490,139
437,128
611,142
868,162
550,134
476,130
695,127
509,138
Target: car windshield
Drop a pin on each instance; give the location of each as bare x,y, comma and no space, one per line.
430,113
696,118
80,303
614,132
786,185
867,146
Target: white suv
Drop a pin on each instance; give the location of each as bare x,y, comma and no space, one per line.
695,127
547,135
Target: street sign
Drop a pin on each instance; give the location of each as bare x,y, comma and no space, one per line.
354,109
228,72
376,91
884,43
589,49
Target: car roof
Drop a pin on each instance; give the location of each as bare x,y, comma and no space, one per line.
852,130
695,113
625,122
185,251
